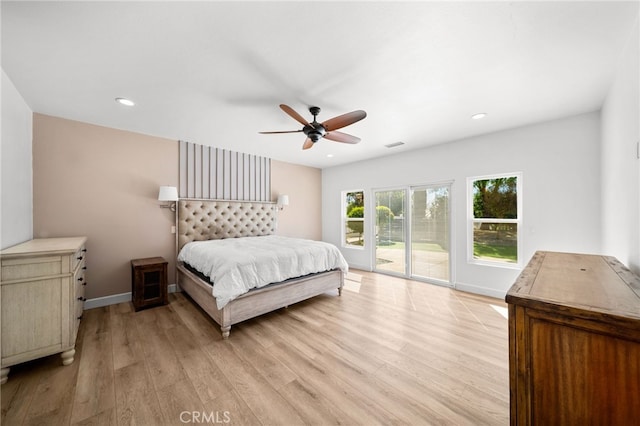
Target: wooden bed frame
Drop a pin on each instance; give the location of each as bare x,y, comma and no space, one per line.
216,219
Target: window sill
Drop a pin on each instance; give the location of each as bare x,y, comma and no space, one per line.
503,265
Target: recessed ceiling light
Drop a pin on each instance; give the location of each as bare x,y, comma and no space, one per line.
125,101
330,155
479,115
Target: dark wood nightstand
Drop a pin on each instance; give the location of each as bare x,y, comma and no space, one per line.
148,282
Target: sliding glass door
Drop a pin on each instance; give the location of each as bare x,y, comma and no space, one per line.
413,232
390,231
430,233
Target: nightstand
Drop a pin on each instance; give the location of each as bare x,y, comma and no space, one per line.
148,282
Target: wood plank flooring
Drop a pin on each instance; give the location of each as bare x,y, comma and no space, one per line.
388,351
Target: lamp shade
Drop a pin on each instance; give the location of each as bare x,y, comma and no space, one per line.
168,193
283,200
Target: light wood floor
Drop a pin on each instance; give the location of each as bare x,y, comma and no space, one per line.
389,351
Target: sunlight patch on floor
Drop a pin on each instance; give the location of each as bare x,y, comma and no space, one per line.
351,286
501,310
354,277
352,282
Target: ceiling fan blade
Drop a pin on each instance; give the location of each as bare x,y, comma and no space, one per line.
307,144
294,114
283,131
343,120
341,137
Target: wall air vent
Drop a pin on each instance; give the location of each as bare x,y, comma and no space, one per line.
393,145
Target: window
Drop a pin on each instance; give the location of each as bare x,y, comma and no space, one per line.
353,216
495,217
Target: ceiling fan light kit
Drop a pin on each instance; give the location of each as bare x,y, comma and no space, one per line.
315,131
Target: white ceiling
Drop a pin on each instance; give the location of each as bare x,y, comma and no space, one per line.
214,73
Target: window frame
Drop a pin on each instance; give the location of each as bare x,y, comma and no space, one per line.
471,220
345,218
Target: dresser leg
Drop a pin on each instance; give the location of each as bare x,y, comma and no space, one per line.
67,356
4,375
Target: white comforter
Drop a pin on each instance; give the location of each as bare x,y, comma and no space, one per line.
236,265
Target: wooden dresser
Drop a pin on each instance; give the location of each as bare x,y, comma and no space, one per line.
42,298
574,342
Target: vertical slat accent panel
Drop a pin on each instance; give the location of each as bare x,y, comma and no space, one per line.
267,175
227,175
258,178
252,178
191,176
219,173
182,168
197,171
233,169
206,171
245,179
214,173
240,165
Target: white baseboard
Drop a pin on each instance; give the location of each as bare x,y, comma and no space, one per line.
360,267
114,299
470,288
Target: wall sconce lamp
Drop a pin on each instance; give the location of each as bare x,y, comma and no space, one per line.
168,193
283,200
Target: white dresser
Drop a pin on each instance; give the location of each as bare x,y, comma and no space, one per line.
41,299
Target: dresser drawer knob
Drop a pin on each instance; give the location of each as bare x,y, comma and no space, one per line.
82,299
84,268
84,250
84,283
80,257
80,317
81,278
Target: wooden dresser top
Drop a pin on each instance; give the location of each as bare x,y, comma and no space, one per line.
45,245
580,282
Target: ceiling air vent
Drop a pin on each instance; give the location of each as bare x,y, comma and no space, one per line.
393,145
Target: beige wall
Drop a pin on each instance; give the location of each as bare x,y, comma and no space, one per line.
302,218
103,183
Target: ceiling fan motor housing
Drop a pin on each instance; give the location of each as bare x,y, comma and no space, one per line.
315,131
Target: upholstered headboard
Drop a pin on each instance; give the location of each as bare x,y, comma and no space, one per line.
217,219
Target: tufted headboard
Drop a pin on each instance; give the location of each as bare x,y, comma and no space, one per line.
217,219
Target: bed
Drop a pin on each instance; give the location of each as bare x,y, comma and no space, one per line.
202,222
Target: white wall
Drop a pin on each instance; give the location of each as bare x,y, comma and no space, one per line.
620,164
16,217
559,161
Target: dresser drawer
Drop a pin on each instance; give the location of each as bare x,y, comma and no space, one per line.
33,267
80,284
78,257
79,309
31,318
79,279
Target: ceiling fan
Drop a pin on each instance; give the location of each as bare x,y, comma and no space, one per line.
316,131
